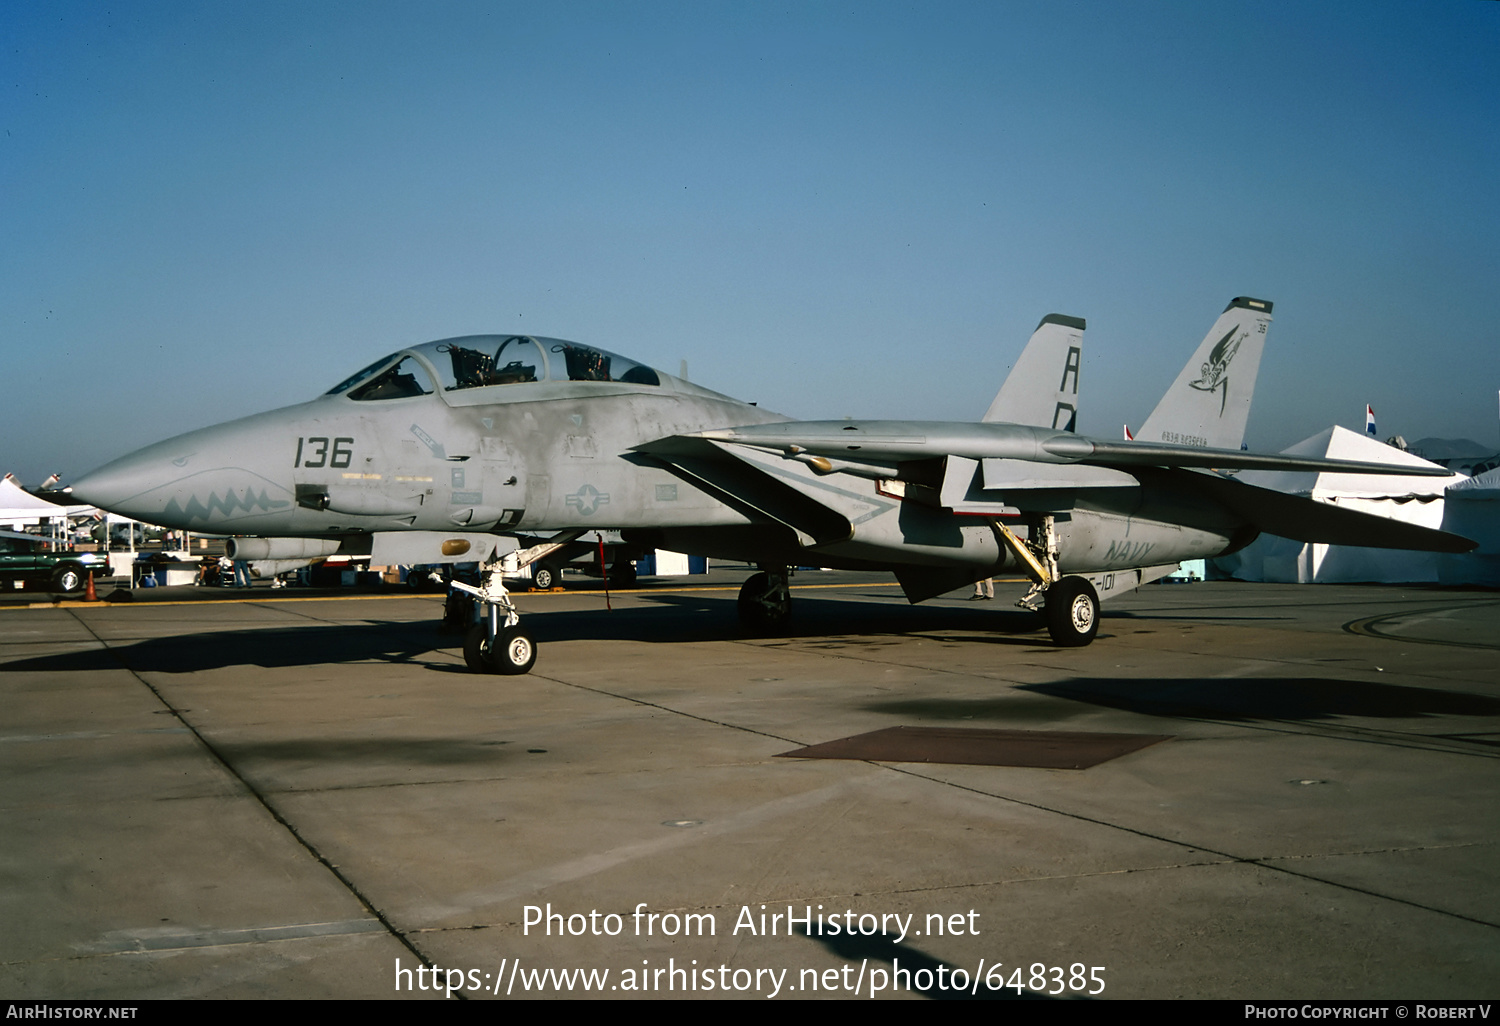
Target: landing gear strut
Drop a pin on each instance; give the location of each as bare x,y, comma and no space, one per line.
498,643
1071,603
765,603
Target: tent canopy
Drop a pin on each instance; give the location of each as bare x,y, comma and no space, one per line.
17,505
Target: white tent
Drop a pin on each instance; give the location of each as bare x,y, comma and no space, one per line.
1415,500
1471,507
19,508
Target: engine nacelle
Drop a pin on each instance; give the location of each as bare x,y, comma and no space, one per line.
284,548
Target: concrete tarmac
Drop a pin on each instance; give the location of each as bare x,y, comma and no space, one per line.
284,795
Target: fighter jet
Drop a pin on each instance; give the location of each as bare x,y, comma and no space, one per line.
473,447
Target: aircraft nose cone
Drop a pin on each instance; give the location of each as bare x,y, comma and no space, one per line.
115,484
222,478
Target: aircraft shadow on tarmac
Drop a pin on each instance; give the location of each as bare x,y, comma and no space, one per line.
300,646
689,620
1267,698
1243,699
829,623
840,618
323,750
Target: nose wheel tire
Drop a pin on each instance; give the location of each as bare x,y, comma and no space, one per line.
513,652
1072,612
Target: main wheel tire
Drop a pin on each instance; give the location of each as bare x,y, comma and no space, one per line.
1072,612
544,577
622,574
68,580
514,650
759,609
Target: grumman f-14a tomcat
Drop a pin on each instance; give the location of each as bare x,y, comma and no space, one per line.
504,448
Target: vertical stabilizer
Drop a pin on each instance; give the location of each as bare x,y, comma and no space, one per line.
1042,388
1209,402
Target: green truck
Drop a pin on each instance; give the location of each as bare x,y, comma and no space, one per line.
26,560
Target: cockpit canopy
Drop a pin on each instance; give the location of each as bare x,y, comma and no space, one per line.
479,361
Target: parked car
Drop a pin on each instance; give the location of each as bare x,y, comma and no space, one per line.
26,559
583,555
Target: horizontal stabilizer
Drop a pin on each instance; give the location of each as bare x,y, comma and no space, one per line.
1308,520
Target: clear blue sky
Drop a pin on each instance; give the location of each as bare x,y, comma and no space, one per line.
210,209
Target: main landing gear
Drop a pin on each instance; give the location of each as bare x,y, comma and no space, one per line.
765,603
498,643
1071,605
1072,612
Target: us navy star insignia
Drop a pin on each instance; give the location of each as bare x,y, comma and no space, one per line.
587,500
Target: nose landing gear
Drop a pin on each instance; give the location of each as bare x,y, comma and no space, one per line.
498,643
512,651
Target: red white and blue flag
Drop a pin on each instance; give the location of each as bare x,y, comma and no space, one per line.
1370,420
